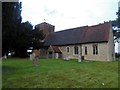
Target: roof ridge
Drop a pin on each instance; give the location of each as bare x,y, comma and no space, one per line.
72,28
100,24
84,26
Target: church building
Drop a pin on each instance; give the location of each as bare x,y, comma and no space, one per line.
90,42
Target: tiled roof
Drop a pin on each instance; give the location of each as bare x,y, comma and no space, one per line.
56,49
80,35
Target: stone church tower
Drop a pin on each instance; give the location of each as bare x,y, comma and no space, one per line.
46,28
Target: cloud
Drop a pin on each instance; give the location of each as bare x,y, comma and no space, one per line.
50,12
69,13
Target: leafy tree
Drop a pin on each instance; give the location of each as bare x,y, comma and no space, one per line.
11,20
26,38
23,39
115,29
37,38
116,24
118,19
17,36
117,33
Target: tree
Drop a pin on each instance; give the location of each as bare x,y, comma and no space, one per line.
17,36
23,39
118,25
115,29
37,38
118,19
11,21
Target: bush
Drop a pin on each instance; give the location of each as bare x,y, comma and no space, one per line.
117,55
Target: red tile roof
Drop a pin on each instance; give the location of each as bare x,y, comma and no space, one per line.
80,35
56,49
97,33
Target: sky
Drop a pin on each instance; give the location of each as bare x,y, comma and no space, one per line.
69,13
65,14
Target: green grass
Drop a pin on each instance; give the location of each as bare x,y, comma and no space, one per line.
19,73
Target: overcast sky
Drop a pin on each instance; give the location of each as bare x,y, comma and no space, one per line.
69,13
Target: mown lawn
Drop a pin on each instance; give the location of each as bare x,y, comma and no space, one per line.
19,73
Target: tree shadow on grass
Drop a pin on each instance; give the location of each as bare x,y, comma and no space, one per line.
8,69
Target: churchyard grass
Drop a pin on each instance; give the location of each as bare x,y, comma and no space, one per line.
57,73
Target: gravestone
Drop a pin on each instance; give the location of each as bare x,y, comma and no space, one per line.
79,58
32,56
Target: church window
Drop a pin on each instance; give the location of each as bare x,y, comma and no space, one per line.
85,50
95,49
75,49
68,49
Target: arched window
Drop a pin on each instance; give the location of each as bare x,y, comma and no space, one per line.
68,49
85,50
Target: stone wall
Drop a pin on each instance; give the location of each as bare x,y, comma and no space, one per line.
70,54
111,47
46,28
104,51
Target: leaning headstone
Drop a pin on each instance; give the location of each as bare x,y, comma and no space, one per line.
5,57
79,58
56,55
32,56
